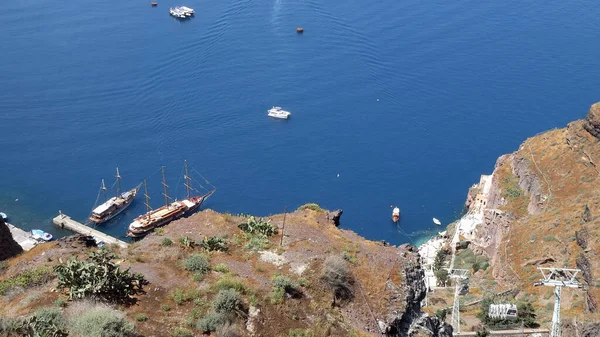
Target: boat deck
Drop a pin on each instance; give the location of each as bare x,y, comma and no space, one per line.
22,237
65,221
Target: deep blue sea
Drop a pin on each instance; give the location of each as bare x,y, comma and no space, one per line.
408,101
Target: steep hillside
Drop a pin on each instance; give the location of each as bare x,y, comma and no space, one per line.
307,279
543,209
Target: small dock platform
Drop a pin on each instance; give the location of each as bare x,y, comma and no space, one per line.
22,237
65,221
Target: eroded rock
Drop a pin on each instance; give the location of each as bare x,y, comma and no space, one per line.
8,246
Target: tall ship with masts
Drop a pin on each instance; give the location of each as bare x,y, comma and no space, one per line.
154,218
115,205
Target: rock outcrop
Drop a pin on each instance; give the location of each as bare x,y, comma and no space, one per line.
8,246
335,216
592,121
409,320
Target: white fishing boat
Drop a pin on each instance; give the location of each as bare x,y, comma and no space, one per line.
277,112
437,222
186,10
40,235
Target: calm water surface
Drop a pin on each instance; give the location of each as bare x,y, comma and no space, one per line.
409,102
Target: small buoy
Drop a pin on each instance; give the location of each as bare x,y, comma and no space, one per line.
17,199
154,4
299,30
338,175
378,100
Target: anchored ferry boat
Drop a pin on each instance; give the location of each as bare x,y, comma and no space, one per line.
143,224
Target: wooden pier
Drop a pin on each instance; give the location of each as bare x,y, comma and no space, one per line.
65,221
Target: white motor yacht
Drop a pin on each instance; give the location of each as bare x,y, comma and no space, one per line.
176,12
186,10
277,112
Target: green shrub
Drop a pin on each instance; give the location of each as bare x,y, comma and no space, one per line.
257,242
90,320
258,226
221,268
336,274
141,317
98,277
165,307
166,242
300,333
286,285
211,322
228,302
159,231
549,238
442,277
229,282
181,332
187,242
38,327
214,244
177,296
197,263
27,279
50,315
60,302
312,207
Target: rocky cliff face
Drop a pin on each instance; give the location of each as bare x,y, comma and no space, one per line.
543,210
8,246
408,319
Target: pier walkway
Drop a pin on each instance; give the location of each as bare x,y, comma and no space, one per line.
65,221
22,237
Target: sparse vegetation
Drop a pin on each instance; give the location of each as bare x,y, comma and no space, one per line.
258,226
311,206
187,242
197,263
27,279
211,322
300,333
283,285
181,332
336,274
94,320
229,282
141,317
165,307
166,242
229,303
257,242
98,277
159,231
214,244
221,268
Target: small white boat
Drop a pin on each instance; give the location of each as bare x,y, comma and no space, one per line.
186,10
396,214
177,13
3,215
437,222
277,112
40,235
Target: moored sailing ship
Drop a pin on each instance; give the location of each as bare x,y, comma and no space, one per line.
115,205
143,224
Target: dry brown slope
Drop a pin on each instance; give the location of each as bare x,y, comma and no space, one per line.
545,188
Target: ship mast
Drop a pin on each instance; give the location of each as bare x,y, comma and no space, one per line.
187,179
118,182
103,188
148,208
164,182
